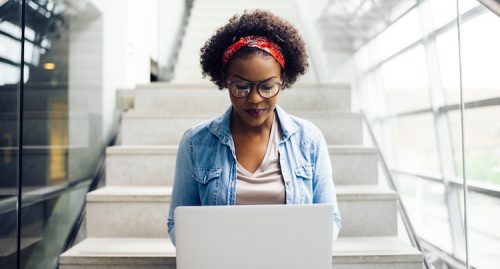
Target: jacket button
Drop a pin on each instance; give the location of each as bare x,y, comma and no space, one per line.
288,183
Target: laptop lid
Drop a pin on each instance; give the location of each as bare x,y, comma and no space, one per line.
255,236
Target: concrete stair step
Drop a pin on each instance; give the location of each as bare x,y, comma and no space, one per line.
363,207
123,211
145,211
339,128
155,165
149,253
140,165
354,165
204,97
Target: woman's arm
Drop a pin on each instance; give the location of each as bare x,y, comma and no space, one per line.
185,189
323,187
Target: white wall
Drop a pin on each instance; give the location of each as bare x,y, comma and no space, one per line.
114,55
130,36
170,19
142,39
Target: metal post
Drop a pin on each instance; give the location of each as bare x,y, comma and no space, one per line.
443,134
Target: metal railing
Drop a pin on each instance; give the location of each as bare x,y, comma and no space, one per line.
401,208
168,73
492,5
439,258
474,186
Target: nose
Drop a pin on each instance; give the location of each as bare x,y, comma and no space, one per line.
254,96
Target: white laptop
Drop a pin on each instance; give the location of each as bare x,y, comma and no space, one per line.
256,237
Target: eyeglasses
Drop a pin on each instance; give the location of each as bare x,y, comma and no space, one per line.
242,88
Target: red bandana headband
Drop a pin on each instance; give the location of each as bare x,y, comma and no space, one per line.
260,42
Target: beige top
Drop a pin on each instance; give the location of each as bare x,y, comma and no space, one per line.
265,185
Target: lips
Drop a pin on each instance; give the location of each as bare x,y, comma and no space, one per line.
255,112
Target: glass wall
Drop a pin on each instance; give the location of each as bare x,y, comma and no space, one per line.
10,82
481,86
409,78
55,94
62,93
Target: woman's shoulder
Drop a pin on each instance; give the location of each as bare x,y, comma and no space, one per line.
200,133
306,129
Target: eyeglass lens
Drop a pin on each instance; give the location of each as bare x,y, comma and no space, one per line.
266,89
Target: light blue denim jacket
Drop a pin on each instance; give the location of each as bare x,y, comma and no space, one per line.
205,172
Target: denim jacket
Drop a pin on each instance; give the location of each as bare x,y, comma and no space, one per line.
205,172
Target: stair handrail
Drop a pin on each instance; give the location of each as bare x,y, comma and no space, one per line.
492,5
401,208
173,57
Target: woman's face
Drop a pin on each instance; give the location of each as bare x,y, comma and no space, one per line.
254,110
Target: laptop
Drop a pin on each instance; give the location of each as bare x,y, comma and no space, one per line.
254,237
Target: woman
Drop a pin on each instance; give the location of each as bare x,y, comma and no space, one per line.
255,153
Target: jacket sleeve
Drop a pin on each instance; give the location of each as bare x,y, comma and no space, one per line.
185,189
323,187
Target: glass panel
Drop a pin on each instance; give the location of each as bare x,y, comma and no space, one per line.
63,133
484,235
479,48
481,57
482,141
399,35
47,222
406,82
481,62
367,56
426,207
10,74
413,144
9,49
444,12
447,49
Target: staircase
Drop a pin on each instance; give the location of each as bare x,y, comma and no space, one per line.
126,220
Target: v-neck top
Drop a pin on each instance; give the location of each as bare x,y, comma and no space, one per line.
265,185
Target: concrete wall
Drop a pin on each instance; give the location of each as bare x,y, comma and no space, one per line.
112,49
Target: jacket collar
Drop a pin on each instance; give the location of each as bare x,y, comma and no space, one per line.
220,127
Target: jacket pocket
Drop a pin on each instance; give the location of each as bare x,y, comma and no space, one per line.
304,175
204,175
209,184
304,171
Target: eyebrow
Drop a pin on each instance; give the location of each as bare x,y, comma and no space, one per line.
251,81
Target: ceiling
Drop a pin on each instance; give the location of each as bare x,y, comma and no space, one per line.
345,25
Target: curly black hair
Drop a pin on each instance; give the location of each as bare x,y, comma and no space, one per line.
257,22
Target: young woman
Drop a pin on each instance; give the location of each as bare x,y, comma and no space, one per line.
255,153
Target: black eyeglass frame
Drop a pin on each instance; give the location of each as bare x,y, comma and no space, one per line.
252,84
